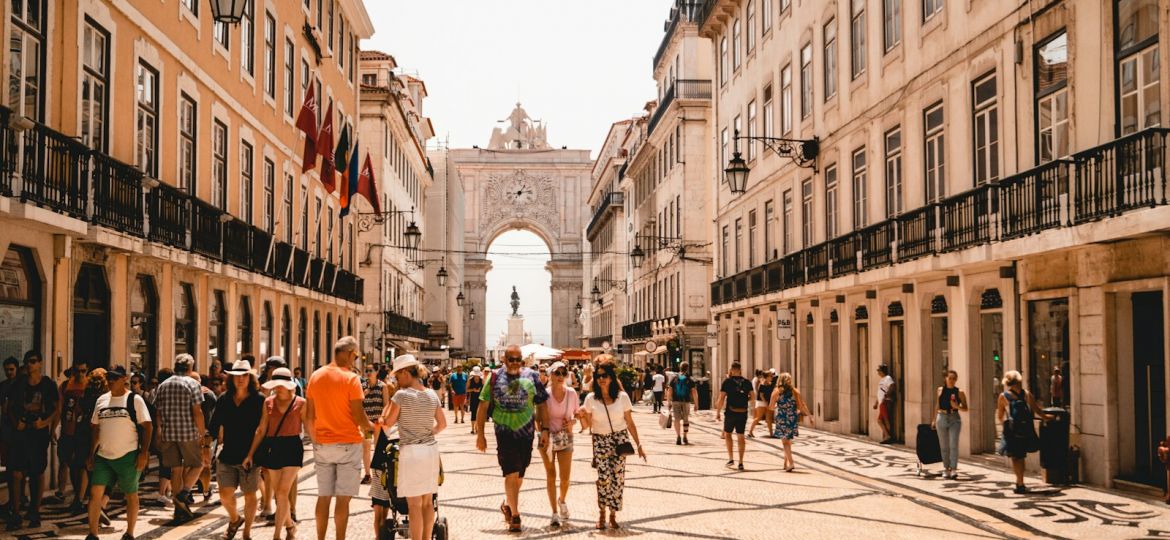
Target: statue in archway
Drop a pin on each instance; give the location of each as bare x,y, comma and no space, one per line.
515,302
522,132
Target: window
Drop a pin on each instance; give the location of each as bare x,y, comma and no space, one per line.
187,157
219,165
723,147
860,196
341,42
320,14
893,172
248,39
26,58
146,133
806,82
786,100
806,213
288,208
724,252
219,30
986,116
857,39
269,217
330,23
185,315
751,245
736,44
95,80
751,130
192,6
831,202
738,244
930,8
370,79
769,230
766,16
784,5
290,78
769,123
751,25
723,61
246,170
891,23
935,150
787,217
830,34
1052,98
269,55
1138,65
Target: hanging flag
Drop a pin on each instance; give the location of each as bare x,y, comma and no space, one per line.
307,122
341,161
367,185
325,150
349,181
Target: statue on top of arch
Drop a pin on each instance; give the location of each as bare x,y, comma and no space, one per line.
522,133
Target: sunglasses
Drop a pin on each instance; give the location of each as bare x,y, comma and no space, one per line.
560,373
604,376
33,361
513,359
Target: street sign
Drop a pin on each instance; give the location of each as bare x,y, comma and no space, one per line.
784,324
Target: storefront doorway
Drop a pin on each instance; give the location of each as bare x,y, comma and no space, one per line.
144,326
832,368
91,318
896,356
804,362
20,301
987,374
1149,386
861,369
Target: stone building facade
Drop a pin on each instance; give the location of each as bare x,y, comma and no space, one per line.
988,194
151,201
604,313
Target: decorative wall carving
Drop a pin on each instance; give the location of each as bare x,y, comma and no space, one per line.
520,196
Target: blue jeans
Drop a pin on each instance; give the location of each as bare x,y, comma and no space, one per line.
948,426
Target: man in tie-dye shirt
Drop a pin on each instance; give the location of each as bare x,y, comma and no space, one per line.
517,398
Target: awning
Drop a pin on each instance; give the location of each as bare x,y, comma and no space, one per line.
575,354
661,349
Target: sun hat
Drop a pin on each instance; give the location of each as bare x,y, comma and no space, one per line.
116,372
281,377
555,366
403,362
240,367
476,371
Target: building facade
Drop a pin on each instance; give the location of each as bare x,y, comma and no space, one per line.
442,307
986,192
604,313
183,223
395,133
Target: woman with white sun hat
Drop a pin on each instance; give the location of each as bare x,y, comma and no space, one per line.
418,413
277,445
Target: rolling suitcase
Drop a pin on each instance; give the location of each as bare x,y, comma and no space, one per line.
927,446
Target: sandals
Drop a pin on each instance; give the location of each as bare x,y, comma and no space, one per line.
233,528
514,525
507,512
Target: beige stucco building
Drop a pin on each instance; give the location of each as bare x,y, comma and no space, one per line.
987,194
151,200
604,314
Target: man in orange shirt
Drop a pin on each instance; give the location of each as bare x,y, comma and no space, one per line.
335,421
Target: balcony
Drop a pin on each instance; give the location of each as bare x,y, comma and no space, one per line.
680,89
117,195
1121,176
54,171
611,200
169,212
400,325
237,251
637,331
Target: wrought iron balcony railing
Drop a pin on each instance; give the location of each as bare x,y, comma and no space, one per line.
638,330
401,325
680,89
611,200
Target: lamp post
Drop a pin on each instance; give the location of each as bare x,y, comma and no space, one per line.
413,235
803,153
441,276
637,256
228,11
459,298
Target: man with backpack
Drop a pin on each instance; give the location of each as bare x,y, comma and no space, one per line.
121,427
736,392
683,398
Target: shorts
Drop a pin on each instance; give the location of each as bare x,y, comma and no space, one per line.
233,476
73,450
681,410
339,469
458,400
123,471
735,421
180,453
28,452
513,454
884,411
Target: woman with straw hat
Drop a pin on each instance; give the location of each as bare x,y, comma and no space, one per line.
418,413
277,446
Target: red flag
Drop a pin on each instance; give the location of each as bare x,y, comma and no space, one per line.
367,185
325,150
307,122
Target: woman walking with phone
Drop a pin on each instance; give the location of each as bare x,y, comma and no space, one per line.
276,446
789,406
562,409
608,414
948,422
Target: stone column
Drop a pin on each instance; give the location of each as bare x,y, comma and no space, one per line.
564,290
475,290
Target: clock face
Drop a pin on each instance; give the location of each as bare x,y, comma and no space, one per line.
521,192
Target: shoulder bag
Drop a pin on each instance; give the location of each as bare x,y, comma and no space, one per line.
623,449
264,451
562,439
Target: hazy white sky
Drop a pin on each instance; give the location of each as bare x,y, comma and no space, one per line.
577,65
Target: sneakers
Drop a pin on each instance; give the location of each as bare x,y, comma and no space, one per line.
164,500
555,520
1020,489
514,525
91,537
685,441
183,502
76,508
34,520
730,463
127,536
103,518
232,528
678,441
564,508
741,465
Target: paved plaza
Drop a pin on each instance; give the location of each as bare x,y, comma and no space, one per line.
842,488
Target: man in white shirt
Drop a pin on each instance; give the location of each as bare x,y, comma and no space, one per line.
659,389
885,403
119,450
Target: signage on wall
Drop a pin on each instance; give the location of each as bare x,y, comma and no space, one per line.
784,320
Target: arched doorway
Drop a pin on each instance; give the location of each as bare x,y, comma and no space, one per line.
316,339
185,315
285,333
216,328
143,335
328,337
266,331
20,303
91,317
519,260
302,339
244,328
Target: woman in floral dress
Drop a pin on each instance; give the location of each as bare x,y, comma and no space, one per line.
789,407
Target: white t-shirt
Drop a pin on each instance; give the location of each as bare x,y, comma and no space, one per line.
659,380
119,435
884,387
617,413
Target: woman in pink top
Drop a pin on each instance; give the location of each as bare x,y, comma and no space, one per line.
562,410
277,447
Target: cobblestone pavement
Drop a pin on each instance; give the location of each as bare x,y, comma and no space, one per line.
842,488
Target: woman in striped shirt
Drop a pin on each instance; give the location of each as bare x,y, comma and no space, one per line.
374,398
418,413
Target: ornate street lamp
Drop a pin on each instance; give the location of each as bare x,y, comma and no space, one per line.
441,276
459,298
737,173
228,11
413,235
472,314
579,309
596,293
802,152
637,256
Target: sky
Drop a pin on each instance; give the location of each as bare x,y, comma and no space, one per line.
579,66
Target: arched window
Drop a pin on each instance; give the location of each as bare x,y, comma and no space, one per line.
216,328
20,301
285,333
266,330
144,326
185,315
244,329
91,317
302,338
329,337
316,339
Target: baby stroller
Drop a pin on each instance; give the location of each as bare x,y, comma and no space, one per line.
397,524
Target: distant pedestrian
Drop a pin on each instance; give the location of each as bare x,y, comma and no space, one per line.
179,402
518,403
683,398
336,422
474,387
234,422
737,394
886,394
948,422
1017,410
609,415
32,406
659,389
7,428
417,412
787,403
210,397
376,394
73,442
763,412
302,384
276,446
437,385
562,410
458,384
121,427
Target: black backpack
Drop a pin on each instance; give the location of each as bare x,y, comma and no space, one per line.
1019,424
132,411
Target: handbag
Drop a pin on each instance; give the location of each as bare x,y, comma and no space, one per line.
264,451
562,439
665,420
623,449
